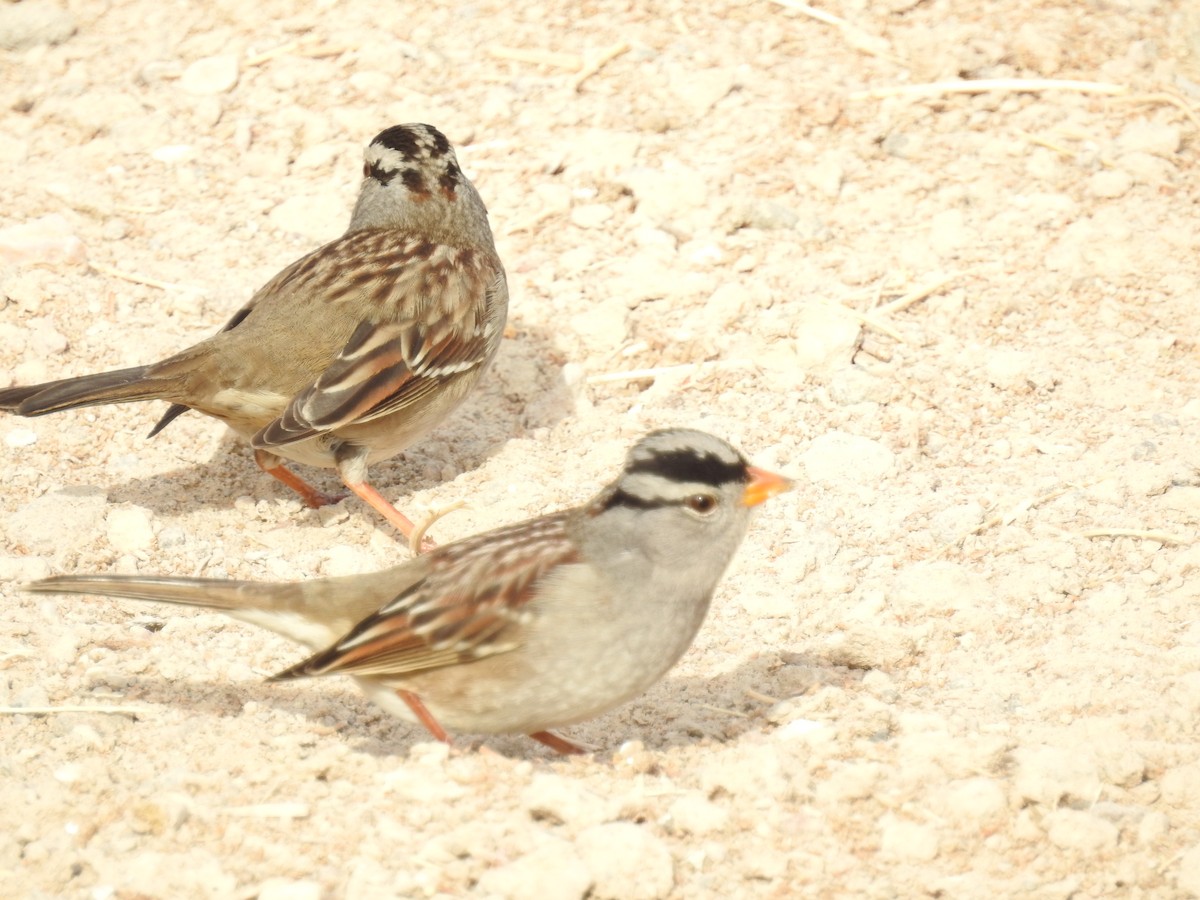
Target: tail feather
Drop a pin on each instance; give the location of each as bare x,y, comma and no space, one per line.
119,386
314,613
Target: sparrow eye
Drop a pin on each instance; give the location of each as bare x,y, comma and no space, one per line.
366,169
702,504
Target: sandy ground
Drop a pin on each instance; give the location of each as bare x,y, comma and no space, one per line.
961,660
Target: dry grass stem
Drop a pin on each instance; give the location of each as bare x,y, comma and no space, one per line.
135,278
131,711
915,296
418,535
1163,537
987,85
598,62
572,61
861,40
1166,97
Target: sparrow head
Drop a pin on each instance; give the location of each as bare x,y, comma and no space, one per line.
412,181
688,494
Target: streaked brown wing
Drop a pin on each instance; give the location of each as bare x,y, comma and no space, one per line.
472,604
429,323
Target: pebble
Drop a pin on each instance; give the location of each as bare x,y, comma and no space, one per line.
701,90
1008,369
1110,183
42,524
1072,829
949,232
907,841
554,871
753,771
129,529
850,781
1143,136
601,328
937,587
978,802
1049,775
286,889
342,559
591,215
1153,828
33,23
837,457
667,193
953,522
1181,786
765,215
23,568
627,862
826,175
825,337
850,385
726,305
48,239
1188,878
564,801
210,75
693,813
1146,168
645,278
20,437
868,647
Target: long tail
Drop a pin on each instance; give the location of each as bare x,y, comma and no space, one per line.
119,386
313,613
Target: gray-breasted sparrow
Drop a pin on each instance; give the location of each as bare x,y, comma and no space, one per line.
352,352
526,628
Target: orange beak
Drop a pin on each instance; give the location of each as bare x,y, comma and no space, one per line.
763,486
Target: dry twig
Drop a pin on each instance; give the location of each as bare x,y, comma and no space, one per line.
136,279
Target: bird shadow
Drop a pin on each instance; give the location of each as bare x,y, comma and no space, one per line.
680,711
524,389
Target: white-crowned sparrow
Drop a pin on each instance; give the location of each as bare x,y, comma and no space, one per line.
525,628
352,352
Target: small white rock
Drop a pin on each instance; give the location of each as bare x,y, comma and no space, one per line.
1072,829
1008,369
693,813
825,337
21,437
1181,786
602,328
1047,775
563,800
591,215
907,841
48,239
129,529
837,458
554,871
286,889
976,801
1110,183
1188,878
174,153
210,75
627,862
1143,136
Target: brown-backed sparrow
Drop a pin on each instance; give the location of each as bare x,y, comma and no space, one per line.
522,629
353,352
